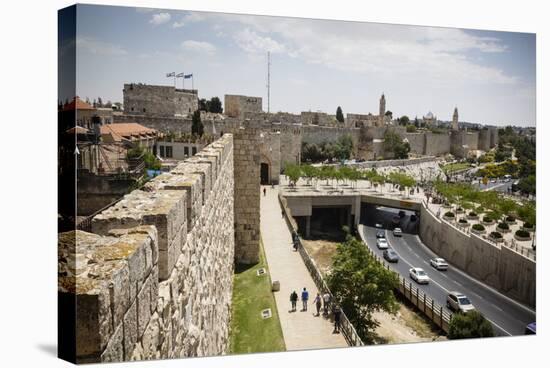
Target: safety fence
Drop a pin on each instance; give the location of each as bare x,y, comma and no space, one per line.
347,329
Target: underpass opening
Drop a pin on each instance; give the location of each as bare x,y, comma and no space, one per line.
390,218
326,222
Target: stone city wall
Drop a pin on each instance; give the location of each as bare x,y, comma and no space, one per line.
437,144
291,143
270,153
507,271
484,142
417,141
155,279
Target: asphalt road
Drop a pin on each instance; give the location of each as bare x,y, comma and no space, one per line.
507,316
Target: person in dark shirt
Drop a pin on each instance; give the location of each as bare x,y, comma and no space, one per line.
293,300
336,312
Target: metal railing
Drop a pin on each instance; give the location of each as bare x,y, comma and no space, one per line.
348,331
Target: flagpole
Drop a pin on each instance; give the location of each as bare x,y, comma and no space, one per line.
183,80
193,81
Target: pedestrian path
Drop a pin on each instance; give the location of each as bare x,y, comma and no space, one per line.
301,330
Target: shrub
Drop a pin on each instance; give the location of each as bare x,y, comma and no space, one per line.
449,214
473,214
503,226
487,219
510,218
463,221
478,227
459,209
522,234
469,325
496,235
528,225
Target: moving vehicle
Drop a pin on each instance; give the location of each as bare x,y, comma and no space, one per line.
459,302
531,329
401,214
378,225
397,231
439,264
390,255
382,243
380,234
419,275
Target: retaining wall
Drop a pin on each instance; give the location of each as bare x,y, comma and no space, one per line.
507,271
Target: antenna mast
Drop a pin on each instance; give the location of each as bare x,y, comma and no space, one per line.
268,79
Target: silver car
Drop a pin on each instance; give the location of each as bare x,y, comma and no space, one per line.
419,275
382,243
439,264
459,302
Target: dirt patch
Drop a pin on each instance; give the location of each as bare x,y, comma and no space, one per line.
407,325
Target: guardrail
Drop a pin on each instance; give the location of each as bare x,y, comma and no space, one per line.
348,331
424,303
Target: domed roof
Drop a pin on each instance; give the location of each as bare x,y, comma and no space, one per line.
429,115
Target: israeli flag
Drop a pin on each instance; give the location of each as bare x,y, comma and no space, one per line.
168,75
179,75
187,76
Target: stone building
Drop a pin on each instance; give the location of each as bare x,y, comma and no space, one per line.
454,124
159,101
236,106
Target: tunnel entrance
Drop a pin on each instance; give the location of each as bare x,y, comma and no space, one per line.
326,222
390,218
264,173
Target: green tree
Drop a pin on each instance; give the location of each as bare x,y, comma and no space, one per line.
404,120
215,105
293,172
197,128
389,114
528,184
411,128
469,325
361,286
339,115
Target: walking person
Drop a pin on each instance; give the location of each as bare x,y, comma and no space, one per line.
293,300
264,191
305,297
326,303
336,311
317,302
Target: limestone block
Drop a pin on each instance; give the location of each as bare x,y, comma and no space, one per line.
144,306
130,331
199,166
154,288
151,338
114,352
137,353
167,260
164,209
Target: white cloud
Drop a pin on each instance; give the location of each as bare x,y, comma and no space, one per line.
96,47
160,18
192,17
436,54
177,24
253,43
198,46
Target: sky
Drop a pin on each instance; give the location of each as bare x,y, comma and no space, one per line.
316,65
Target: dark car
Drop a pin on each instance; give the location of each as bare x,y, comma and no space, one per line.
391,256
413,218
401,214
380,234
531,329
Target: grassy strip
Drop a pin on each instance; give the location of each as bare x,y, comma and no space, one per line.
251,294
456,166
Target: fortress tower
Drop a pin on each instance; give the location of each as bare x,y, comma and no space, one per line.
382,111
454,125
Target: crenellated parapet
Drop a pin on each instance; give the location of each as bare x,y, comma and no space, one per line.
154,279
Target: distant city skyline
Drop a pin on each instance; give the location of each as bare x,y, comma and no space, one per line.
316,64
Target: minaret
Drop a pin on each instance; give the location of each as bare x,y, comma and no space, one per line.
454,126
382,111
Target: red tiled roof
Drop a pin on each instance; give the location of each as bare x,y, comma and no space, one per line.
77,104
78,130
118,131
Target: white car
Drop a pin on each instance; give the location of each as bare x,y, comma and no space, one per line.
378,225
397,231
419,275
382,243
439,264
459,302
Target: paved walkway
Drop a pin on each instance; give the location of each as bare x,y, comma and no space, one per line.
301,330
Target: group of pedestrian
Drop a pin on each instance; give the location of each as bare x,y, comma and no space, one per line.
323,301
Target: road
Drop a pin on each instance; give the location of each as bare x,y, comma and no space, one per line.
508,316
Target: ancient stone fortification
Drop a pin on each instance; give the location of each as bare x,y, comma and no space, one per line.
165,101
236,106
507,271
154,280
